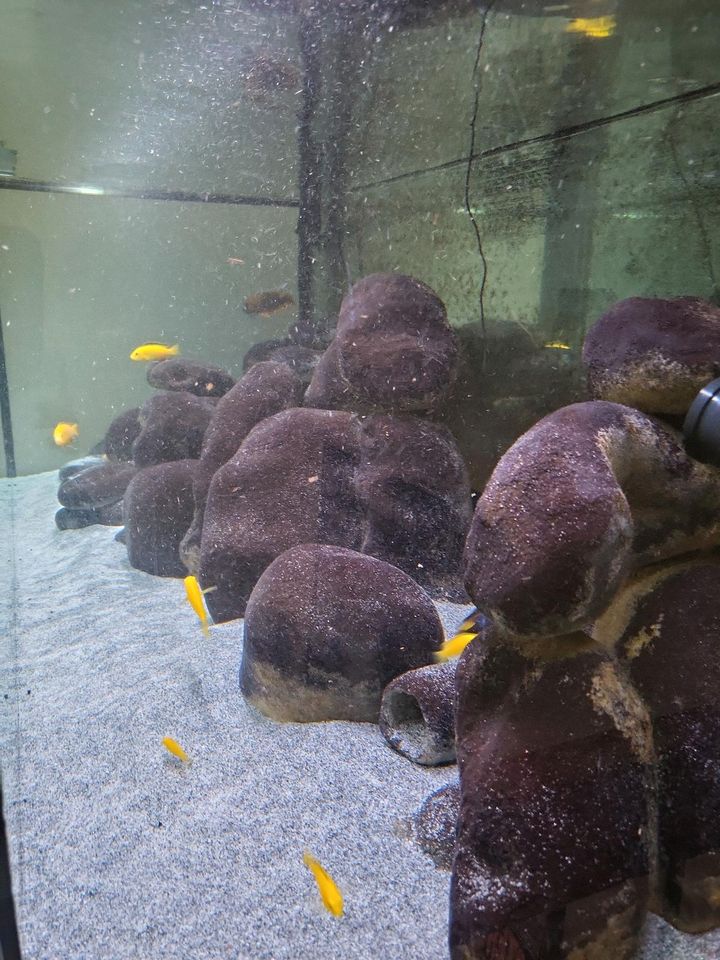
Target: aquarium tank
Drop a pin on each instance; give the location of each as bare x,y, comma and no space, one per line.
360,494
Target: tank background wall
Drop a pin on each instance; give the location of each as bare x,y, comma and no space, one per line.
149,95
84,281
617,206
135,96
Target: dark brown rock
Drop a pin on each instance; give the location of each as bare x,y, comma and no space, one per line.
73,467
262,351
653,354
591,493
326,629
393,350
158,509
415,491
666,626
266,389
554,845
290,482
173,427
121,434
107,516
301,360
96,487
327,387
417,714
329,477
191,376
111,515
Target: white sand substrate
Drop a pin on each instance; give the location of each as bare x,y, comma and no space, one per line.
119,851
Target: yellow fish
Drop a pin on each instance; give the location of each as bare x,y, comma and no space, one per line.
469,622
596,27
195,597
154,351
556,345
455,645
65,433
331,896
175,749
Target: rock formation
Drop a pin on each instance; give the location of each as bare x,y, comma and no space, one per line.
158,508
327,628
192,376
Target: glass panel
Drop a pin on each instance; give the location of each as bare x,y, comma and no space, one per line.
537,74
84,282
360,373
199,98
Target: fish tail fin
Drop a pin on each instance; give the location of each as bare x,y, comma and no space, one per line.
205,627
174,349
308,858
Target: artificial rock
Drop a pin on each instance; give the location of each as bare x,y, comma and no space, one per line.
266,389
121,435
96,487
327,628
158,509
173,425
417,714
653,354
591,493
290,482
393,350
192,376
555,840
328,476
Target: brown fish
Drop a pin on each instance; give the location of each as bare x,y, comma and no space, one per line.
269,302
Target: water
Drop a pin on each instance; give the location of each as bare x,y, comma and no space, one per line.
220,176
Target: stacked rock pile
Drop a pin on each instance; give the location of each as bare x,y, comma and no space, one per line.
330,449
322,502
586,714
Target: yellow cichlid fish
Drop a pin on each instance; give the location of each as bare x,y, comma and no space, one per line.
65,433
455,645
556,345
154,351
331,896
598,28
470,622
173,747
195,598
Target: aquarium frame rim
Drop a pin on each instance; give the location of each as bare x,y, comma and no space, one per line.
178,196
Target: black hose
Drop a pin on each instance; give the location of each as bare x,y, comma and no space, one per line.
179,196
